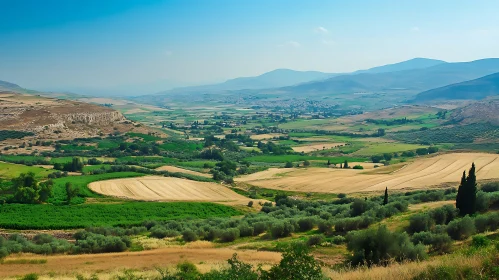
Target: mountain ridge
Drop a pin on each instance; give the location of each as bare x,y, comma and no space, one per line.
296,78
475,89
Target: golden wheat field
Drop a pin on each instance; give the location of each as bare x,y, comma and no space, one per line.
156,188
316,147
174,169
421,173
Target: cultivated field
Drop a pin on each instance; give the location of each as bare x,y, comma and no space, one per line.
155,188
316,147
174,169
421,173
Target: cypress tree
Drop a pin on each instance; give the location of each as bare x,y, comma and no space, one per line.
466,194
460,192
385,201
345,165
471,186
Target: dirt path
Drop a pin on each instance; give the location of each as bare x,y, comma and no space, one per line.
205,260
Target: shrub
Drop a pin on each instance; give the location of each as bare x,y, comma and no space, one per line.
342,195
245,230
250,204
187,270
461,228
338,239
326,227
377,158
359,206
439,242
236,270
229,235
349,224
161,232
479,241
281,229
482,201
379,246
189,235
296,263
212,234
288,164
31,276
3,252
490,187
315,240
259,228
420,222
306,224
487,222
87,242
358,167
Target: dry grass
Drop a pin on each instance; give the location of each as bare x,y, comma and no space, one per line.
170,168
265,136
422,173
110,264
404,271
316,147
156,188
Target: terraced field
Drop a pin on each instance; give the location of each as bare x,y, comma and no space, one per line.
422,173
156,188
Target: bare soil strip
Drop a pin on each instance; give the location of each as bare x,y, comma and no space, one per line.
422,173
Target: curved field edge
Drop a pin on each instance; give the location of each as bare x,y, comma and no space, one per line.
155,188
46,216
81,183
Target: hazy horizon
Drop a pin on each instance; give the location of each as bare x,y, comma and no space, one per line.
156,45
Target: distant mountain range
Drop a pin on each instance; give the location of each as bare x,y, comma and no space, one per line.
285,77
475,89
272,79
412,81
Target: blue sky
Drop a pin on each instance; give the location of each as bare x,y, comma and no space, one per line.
153,45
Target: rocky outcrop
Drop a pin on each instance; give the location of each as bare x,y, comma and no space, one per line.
102,118
55,118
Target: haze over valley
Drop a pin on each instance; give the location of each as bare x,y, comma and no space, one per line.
253,140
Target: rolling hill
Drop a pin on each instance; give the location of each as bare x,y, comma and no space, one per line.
6,86
477,112
475,89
